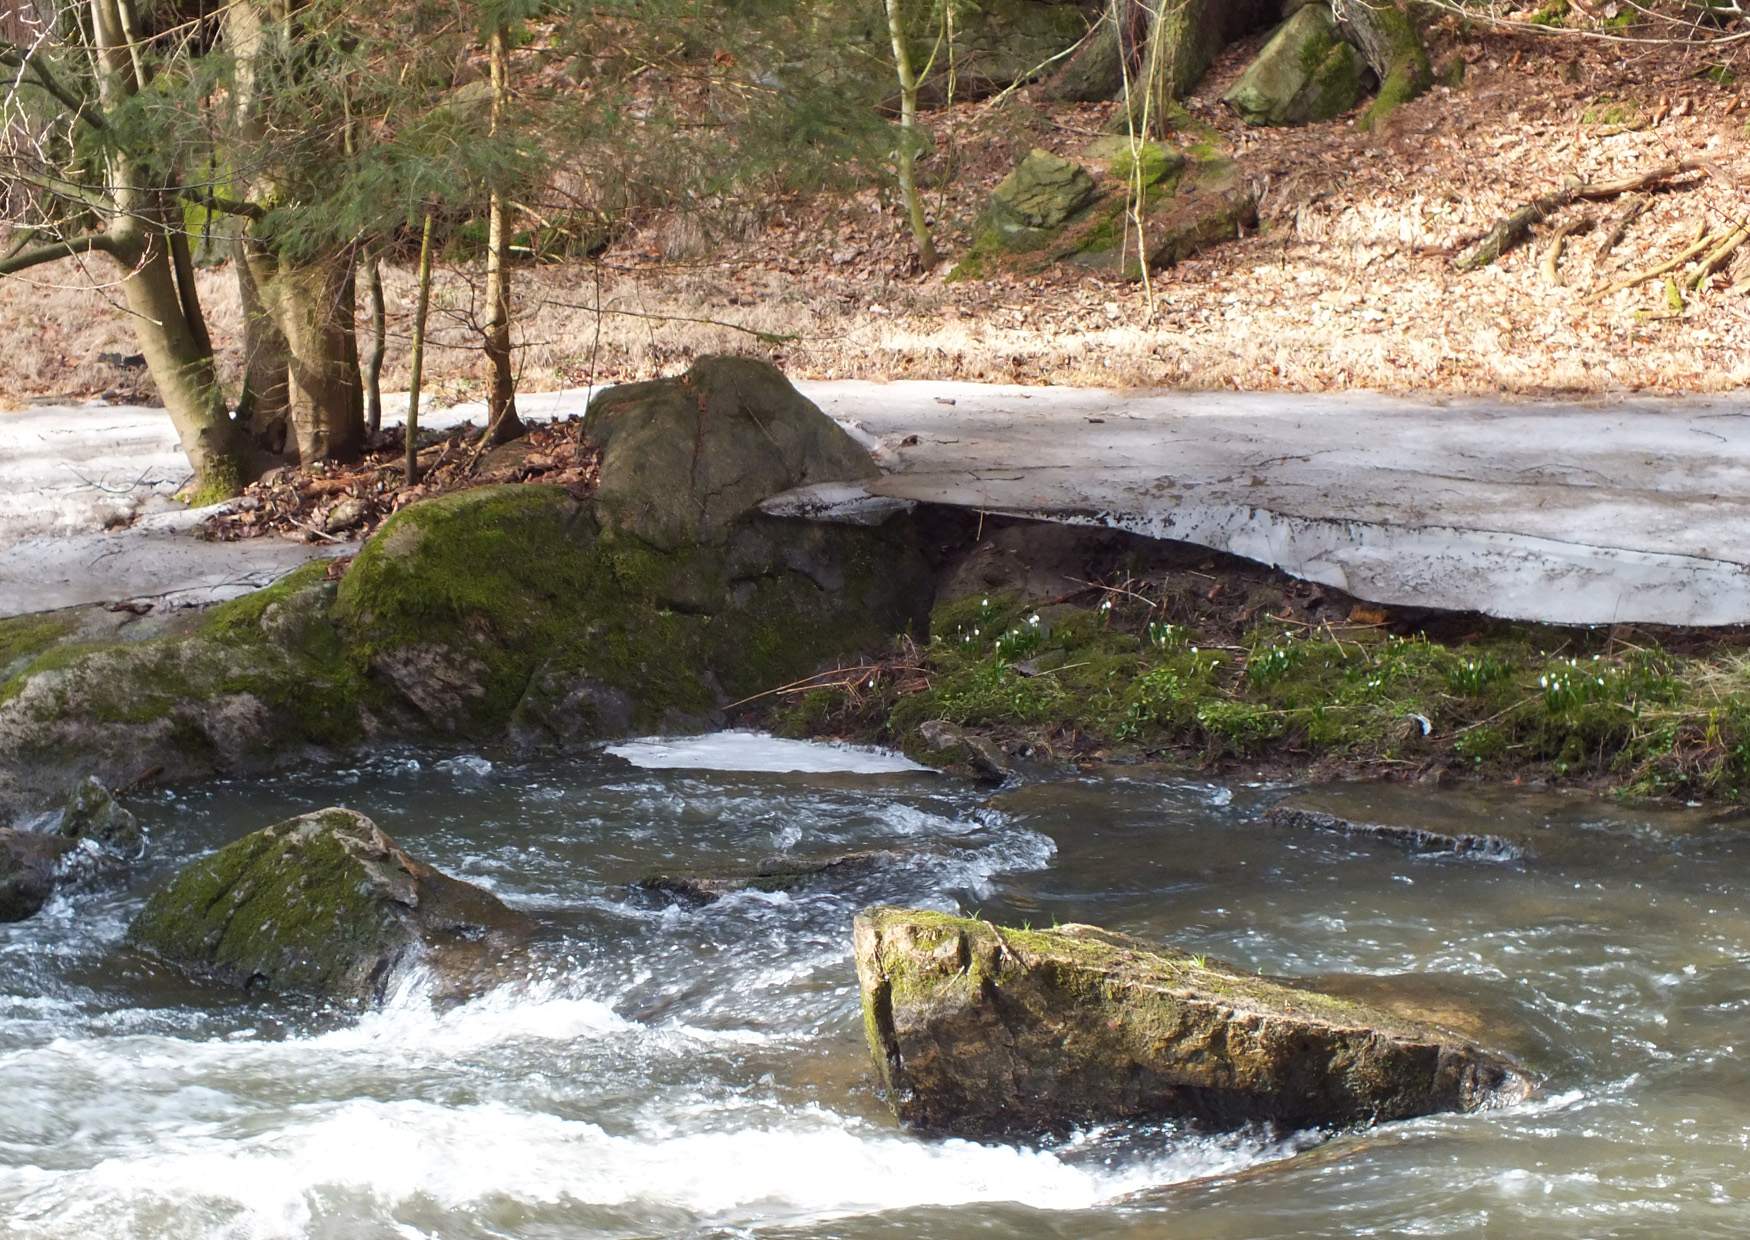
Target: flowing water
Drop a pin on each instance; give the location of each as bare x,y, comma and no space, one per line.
666,1070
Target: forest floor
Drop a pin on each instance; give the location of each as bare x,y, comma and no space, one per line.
1348,282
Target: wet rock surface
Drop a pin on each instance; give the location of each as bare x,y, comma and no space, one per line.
785,874
29,865
328,905
1414,838
982,1031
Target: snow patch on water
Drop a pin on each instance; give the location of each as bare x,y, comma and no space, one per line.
745,750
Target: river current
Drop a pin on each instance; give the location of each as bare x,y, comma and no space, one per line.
667,1070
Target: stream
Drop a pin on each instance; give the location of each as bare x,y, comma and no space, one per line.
661,1069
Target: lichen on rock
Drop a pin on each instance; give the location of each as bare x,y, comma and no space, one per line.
324,904
982,1031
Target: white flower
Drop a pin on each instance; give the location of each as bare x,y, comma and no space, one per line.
1033,619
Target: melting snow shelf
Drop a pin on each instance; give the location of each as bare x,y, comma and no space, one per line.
757,751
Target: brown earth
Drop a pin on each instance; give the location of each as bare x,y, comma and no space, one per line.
1348,282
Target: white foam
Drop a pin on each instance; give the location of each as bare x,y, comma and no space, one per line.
756,1166
744,750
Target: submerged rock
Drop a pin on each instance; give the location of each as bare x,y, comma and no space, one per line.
1415,839
29,865
979,1031
782,874
94,837
92,813
324,904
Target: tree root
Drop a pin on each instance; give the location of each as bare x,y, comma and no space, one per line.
1552,255
1689,252
1514,230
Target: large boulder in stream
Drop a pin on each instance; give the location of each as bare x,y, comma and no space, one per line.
528,612
983,1031
325,904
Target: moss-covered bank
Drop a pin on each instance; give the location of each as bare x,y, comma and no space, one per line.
1227,664
511,612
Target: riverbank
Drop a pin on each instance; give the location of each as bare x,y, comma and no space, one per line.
1053,648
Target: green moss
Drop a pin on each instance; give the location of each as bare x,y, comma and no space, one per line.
1619,113
25,637
1512,700
253,908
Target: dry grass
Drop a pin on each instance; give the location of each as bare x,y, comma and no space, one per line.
1348,284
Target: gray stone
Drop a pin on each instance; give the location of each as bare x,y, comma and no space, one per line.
984,1032
1306,72
325,904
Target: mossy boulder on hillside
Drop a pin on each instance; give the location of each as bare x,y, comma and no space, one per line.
979,1031
1306,72
1040,196
324,904
1051,210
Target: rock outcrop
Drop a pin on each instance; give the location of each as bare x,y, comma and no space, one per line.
508,611
979,1031
1052,210
325,904
1306,72
29,866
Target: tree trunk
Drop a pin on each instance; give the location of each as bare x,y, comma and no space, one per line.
1393,47
264,407
418,361
909,139
379,348
1161,48
312,308
185,376
502,422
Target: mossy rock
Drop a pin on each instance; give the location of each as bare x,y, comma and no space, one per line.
526,610
1306,72
93,814
324,904
684,458
255,682
1033,202
1210,203
983,1032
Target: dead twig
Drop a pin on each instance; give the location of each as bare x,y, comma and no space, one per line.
1635,279
1516,228
1552,254
1618,229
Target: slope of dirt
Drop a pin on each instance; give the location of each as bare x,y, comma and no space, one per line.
1348,283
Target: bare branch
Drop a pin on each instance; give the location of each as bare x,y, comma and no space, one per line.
93,243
